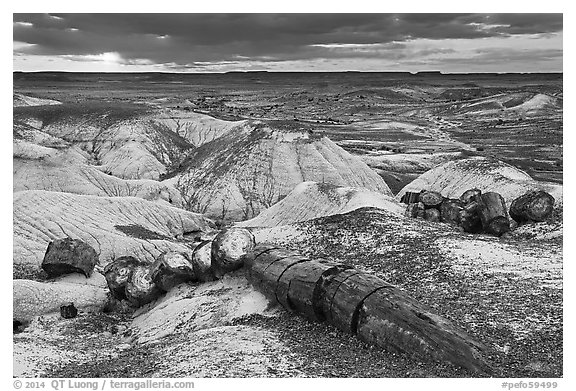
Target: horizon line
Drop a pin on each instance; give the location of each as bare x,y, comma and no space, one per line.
434,72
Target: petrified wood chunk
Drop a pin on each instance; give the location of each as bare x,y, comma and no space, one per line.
65,256
202,262
532,206
410,197
469,195
431,199
470,219
492,212
432,215
171,269
450,211
229,249
140,289
68,311
117,274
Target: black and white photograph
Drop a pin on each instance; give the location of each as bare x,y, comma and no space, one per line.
287,195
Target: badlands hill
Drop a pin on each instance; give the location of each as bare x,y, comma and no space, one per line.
21,100
453,178
255,165
310,200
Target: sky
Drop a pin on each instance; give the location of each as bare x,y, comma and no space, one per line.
288,42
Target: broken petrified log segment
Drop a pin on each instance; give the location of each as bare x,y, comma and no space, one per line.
432,215
140,289
450,211
65,256
431,199
410,198
171,269
492,212
469,218
299,288
535,205
202,261
469,195
361,304
117,274
68,311
229,249
389,318
415,210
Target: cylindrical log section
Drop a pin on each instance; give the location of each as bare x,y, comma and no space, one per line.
431,199
299,287
229,249
202,262
263,260
469,218
450,210
532,206
470,195
391,319
117,274
410,197
343,298
140,288
171,269
493,213
432,215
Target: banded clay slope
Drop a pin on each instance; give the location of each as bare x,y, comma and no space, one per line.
196,128
113,226
36,167
253,166
505,292
122,140
20,100
454,178
310,200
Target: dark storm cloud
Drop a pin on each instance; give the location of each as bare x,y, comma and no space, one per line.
194,38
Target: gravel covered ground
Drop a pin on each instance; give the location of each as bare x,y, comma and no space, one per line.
506,292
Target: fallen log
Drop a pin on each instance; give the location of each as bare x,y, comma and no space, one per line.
415,210
493,214
391,319
171,269
532,206
362,304
299,287
431,199
66,256
450,211
469,195
229,249
432,215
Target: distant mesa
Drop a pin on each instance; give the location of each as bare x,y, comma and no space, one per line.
255,165
20,100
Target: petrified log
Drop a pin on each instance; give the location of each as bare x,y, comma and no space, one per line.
271,274
469,195
431,199
492,212
450,211
229,249
469,218
410,197
343,296
68,311
117,274
432,215
202,261
65,256
300,286
535,205
171,269
391,319
140,289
